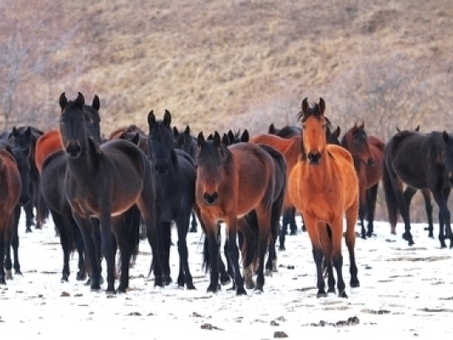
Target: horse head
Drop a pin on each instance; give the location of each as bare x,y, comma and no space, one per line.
161,142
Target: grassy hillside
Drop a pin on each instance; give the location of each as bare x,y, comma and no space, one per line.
220,65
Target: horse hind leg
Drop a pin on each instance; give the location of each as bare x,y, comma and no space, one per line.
351,217
371,197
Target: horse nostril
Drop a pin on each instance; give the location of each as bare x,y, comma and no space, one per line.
371,162
314,157
160,168
73,149
210,199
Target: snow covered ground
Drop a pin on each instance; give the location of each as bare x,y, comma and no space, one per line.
405,292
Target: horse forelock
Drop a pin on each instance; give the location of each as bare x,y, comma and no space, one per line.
313,110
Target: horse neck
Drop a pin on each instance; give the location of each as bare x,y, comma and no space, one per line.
87,164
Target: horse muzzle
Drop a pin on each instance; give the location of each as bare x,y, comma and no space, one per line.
73,148
371,162
161,168
211,199
314,158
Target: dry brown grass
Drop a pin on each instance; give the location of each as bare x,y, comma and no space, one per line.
220,65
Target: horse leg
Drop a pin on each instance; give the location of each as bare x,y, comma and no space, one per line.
271,265
90,248
15,238
80,247
7,235
214,255
351,217
441,198
65,241
371,197
29,216
292,221
165,245
429,212
264,223
2,254
146,206
194,224
182,224
325,237
318,253
105,221
337,257
362,209
42,211
124,240
233,254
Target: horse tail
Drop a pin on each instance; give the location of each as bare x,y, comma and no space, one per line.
390,196
249,229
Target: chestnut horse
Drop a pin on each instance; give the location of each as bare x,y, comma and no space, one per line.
231,182
368,154
101,183
323,186
10,192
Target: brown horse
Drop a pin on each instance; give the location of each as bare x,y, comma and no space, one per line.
368,154
290,148
323,186
46,145
10,192
232,182
102,182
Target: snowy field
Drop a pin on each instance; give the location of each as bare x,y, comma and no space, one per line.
405,292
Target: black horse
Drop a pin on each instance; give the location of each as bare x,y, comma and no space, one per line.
423,162
102,182
24,138
187,142
175,193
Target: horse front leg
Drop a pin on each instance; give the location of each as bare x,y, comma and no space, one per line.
185,276
107,248
90,248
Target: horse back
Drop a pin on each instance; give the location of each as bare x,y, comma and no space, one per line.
254,171
46,144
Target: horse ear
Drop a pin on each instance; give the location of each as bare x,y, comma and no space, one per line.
445,136
14,131
175,131
200,140
226,140
27,132
362,126
305,105
231,137
417,128
80,100
167,117
245,137
96,103
151,119
63,100
272,129
217,140
337,132
322,105
398,129
187,130
135,139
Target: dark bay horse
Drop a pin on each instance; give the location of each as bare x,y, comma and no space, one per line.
101,183
10,191
12,241
422,161
368,154
324,187
175,194
233,181
51,162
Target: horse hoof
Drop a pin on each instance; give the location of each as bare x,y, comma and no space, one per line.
241,291
354,284
321,294
281,248
293,232
343,294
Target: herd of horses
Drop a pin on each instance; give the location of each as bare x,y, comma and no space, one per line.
104,194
